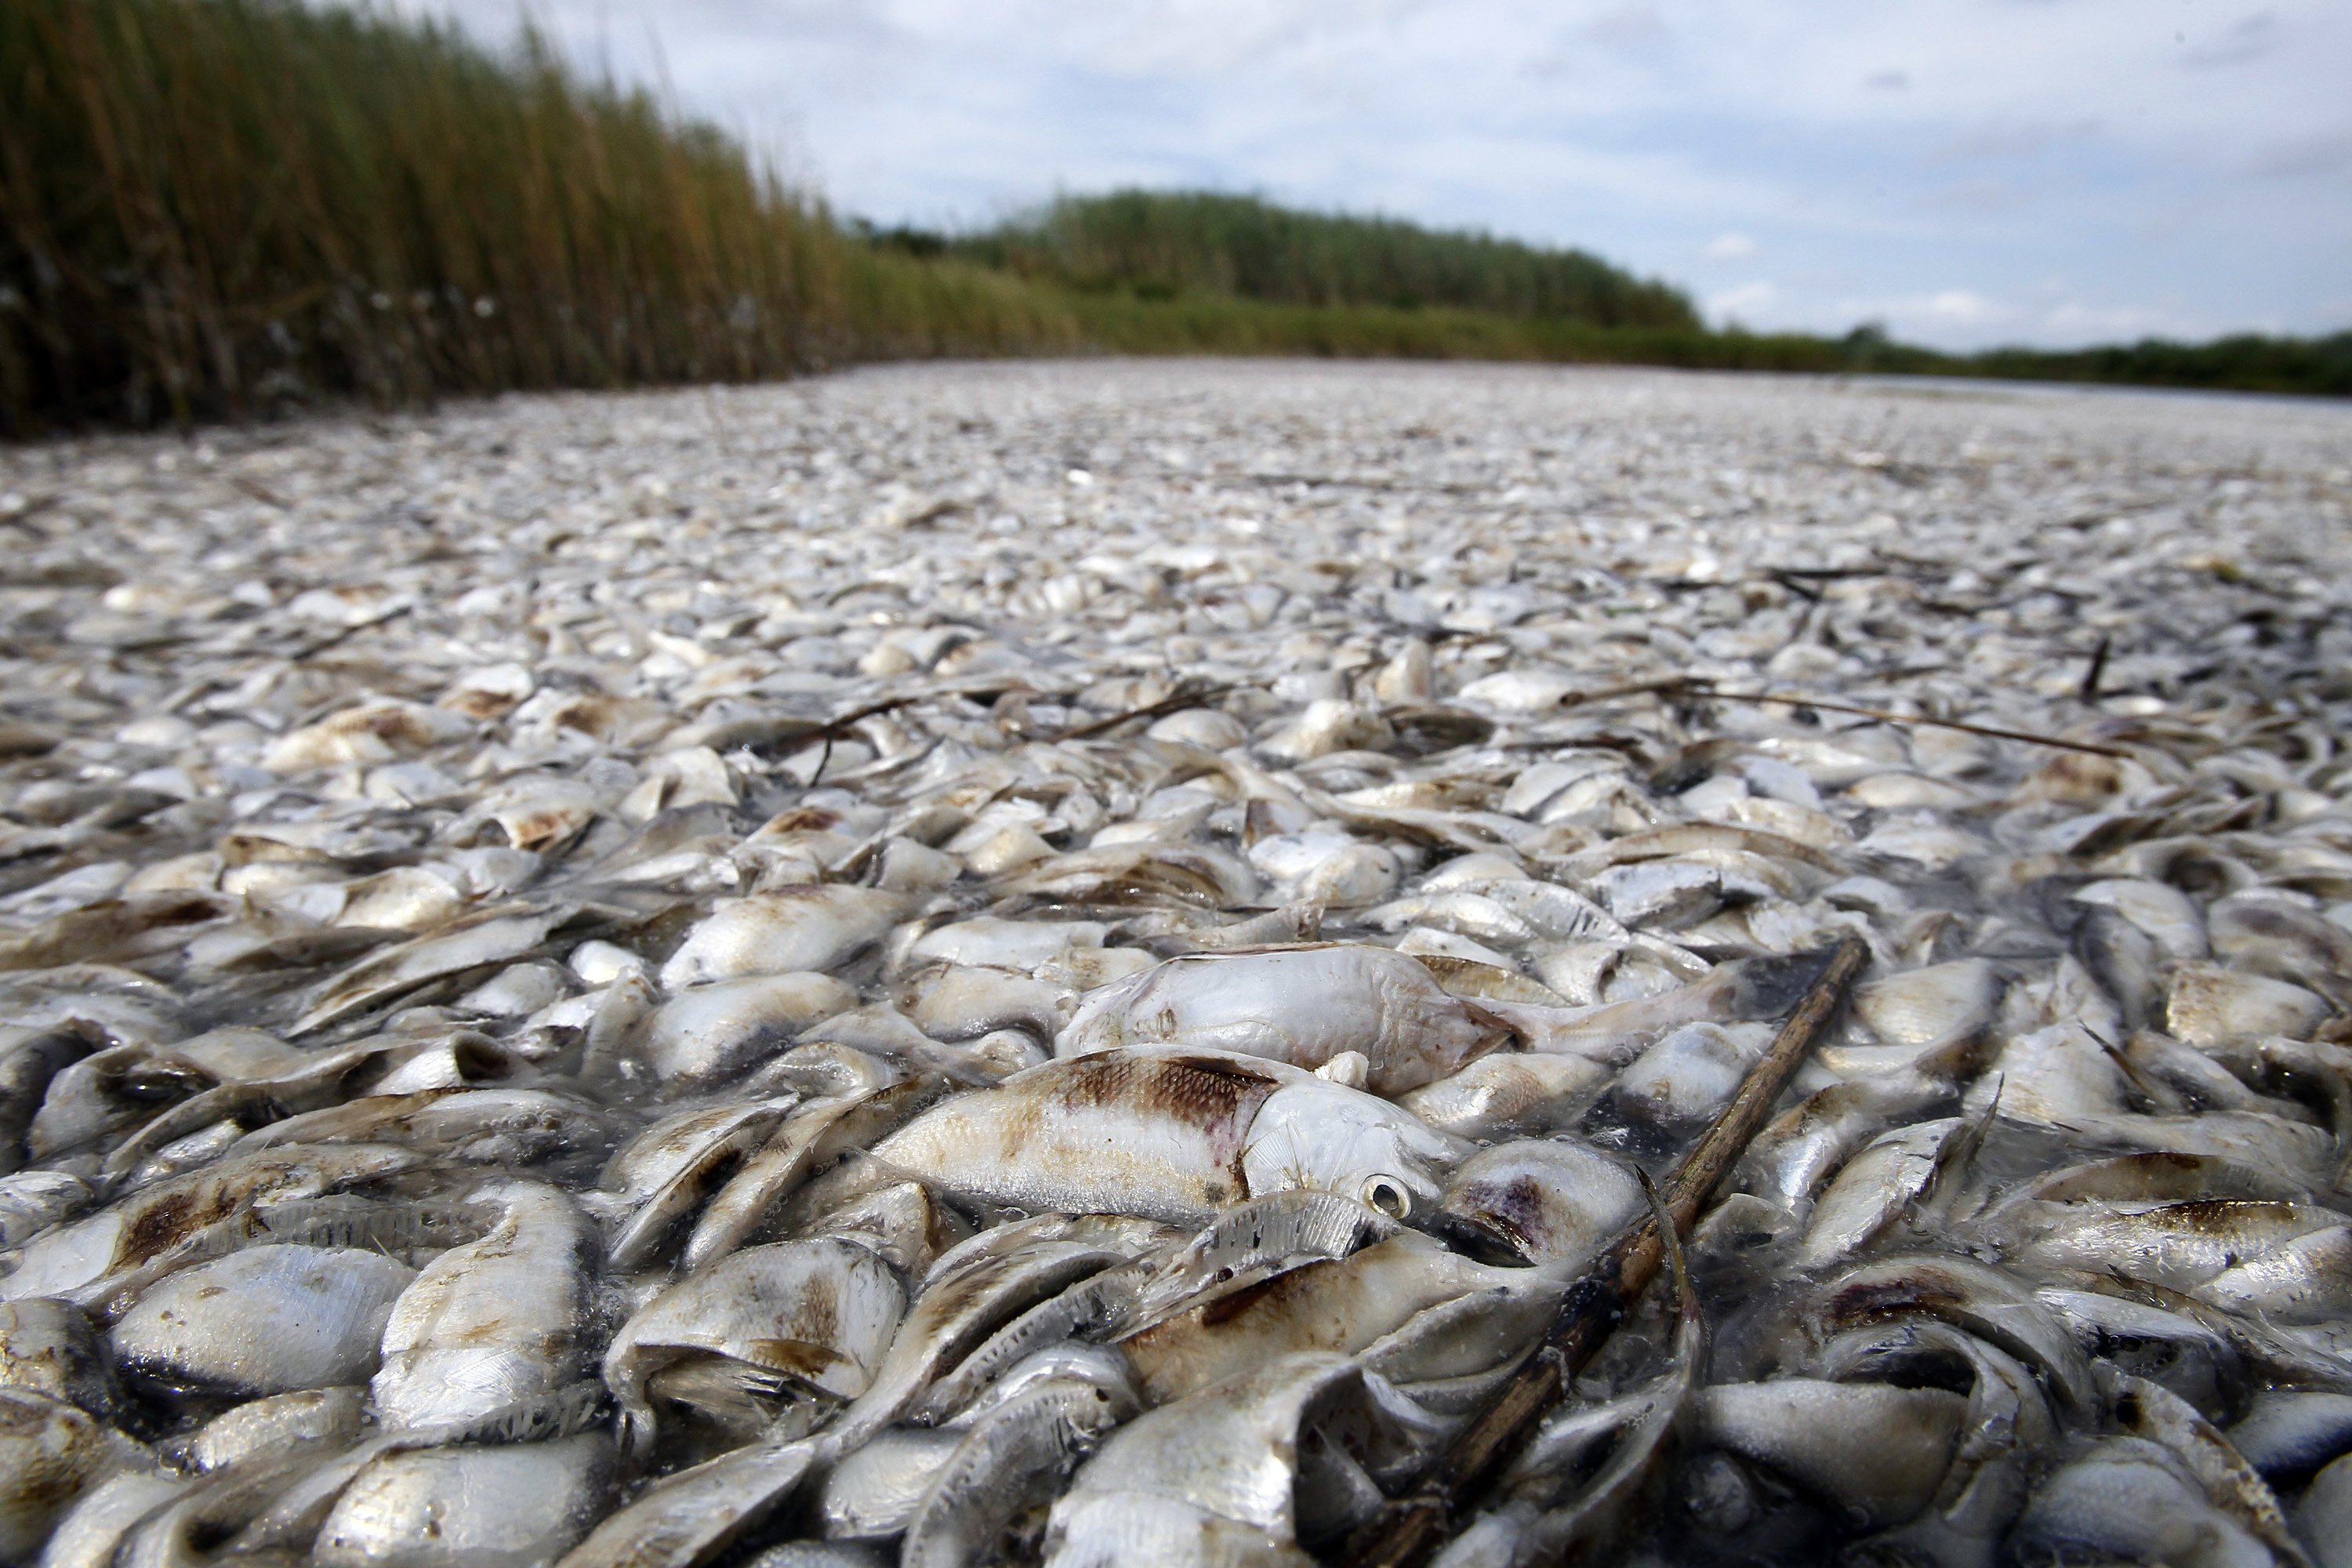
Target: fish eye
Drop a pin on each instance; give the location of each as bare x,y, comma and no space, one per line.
1386,1196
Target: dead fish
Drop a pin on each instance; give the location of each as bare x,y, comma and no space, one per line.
1581,1475
117,930
819,1554
1300,1005
268,1320
488,1126
2325,1515
1554,1202
1342,1305
33,1201
48,1347
114,1090
2168,917
485,1507
1972,1297
2305,1280
1242,1248
902,1223
1334,869
2181,1245
667,1171
139,1239
1886,1181
711,1032
1876,1449
50,1453
688,1519
29,1060
89,1533
988,941
295,1513
807,1139
1011,1458
1930,1005
788,930
800,1325
1689,1075
495,1321
1187,872
2289,1433
1507,1091
494,935
2209,1006
1173,1136
1802,1147
2128,1500
2149,1410
875,1489
962,1002
1614,1032
1246,1470
316,1417
974,1290
2276,938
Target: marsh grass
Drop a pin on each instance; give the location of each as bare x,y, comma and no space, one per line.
215,207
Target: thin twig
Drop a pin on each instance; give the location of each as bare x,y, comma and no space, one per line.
2090,690
1700,688
1188,695
1408,1531
1640,688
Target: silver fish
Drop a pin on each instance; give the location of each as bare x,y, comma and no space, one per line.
1173,1136
498,1507
494,1322
1237,1469
801,1323
1300,1005
268,1320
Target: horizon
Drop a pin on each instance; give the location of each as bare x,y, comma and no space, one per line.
2050,174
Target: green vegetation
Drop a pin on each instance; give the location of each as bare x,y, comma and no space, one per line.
1157,245
220,209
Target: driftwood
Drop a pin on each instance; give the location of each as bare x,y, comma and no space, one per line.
1411,1528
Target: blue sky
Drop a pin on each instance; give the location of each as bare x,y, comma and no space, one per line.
1969,171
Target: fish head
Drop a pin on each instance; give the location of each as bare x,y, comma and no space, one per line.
1545,1202
1333,1139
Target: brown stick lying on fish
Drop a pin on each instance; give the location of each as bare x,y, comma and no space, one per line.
1411,1528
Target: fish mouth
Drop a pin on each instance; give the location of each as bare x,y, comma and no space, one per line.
1480,1237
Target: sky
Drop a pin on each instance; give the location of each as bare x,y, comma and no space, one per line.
1965,172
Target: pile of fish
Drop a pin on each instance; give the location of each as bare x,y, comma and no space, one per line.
1068,963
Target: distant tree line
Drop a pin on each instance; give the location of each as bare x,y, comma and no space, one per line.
1159,245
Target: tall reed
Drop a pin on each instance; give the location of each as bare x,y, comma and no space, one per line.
210,206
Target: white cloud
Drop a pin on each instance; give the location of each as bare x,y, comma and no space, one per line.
1730,246
1742,303
1965,307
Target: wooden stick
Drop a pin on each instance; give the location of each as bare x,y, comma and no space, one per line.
1700,688
1409,1531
